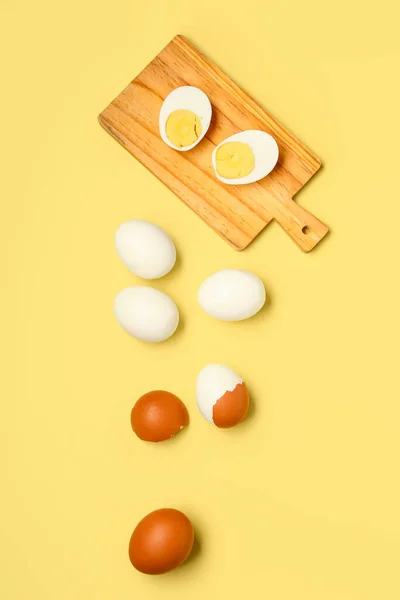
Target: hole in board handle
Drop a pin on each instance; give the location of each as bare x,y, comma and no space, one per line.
306,230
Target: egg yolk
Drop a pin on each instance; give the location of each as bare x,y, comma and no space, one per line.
234,160
183,128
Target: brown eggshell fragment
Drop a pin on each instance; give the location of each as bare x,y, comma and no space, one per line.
158,415
161,541
232,407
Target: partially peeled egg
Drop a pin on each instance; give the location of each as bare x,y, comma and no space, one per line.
222,396
185,117
245,157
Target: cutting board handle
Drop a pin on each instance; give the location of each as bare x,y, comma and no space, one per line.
305,229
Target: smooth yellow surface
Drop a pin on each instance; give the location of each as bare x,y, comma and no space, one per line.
183,128
234,160
302,500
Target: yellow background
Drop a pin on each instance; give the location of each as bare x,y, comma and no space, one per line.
302,500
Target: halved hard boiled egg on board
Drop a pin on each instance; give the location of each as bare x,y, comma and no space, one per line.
222,396
245,157
185,117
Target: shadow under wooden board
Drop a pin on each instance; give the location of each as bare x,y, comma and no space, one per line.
236,213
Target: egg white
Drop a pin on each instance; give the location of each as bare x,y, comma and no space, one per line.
146,313
190,98
264,148
212,383
232,295
146,249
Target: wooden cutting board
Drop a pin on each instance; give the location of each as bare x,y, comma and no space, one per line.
236,213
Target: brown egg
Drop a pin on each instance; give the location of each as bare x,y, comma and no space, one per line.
161,541
158,415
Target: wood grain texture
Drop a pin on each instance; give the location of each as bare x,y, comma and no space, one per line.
236,213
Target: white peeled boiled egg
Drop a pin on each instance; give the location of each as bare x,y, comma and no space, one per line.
221,395
145,249
232,295
146,313
259,144
188,99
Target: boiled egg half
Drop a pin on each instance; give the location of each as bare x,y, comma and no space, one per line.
245,157
185,117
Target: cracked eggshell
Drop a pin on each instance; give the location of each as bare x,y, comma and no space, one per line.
158,416
222,396
232,295
146,313
264,148
190,98
145,249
